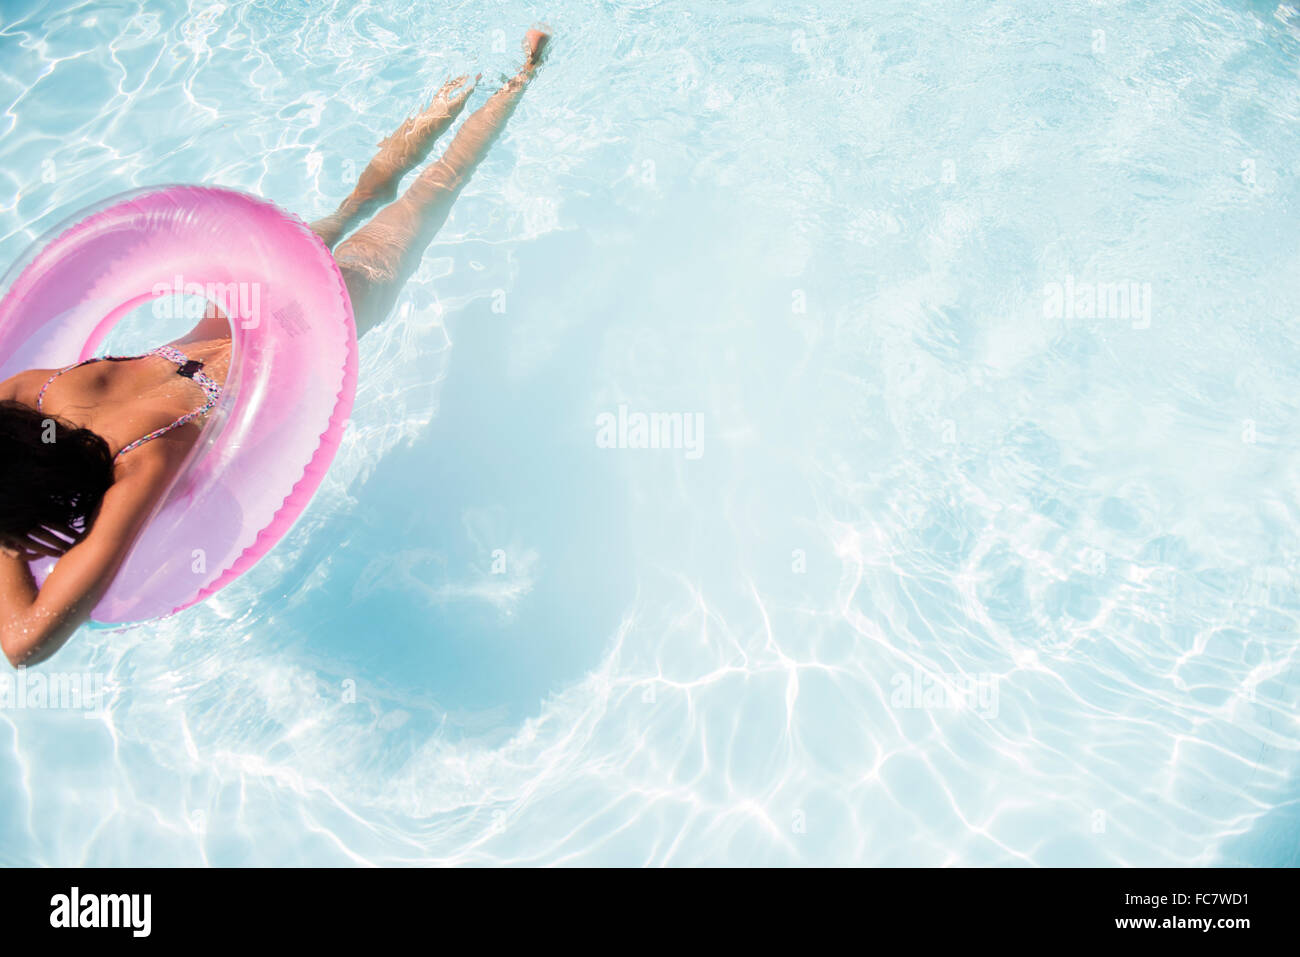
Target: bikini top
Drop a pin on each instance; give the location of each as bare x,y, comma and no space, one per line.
189,368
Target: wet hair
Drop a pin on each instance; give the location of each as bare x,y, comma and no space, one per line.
51,472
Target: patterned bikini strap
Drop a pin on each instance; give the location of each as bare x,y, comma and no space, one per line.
188,368
40,396
183,420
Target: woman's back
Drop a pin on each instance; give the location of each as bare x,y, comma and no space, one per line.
126,400
91,448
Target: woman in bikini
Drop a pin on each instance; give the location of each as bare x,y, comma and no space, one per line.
87,450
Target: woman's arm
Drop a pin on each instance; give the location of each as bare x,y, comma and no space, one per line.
35,624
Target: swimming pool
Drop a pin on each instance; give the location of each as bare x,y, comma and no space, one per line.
935,563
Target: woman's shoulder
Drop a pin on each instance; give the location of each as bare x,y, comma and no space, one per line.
25,386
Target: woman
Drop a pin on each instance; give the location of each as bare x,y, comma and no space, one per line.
86,451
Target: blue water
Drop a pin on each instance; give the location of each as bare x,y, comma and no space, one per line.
831,231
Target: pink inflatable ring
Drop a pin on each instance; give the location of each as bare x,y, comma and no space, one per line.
267,445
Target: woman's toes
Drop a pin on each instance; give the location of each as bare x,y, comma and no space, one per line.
446,90
535,45
459,99
451,96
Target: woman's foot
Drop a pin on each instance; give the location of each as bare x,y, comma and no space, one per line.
405,149
409,146
535,43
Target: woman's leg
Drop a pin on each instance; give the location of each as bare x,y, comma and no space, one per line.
378,259
406,149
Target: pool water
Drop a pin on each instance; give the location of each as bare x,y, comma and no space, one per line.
967,334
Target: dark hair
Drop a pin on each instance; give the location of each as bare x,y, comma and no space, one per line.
51,472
